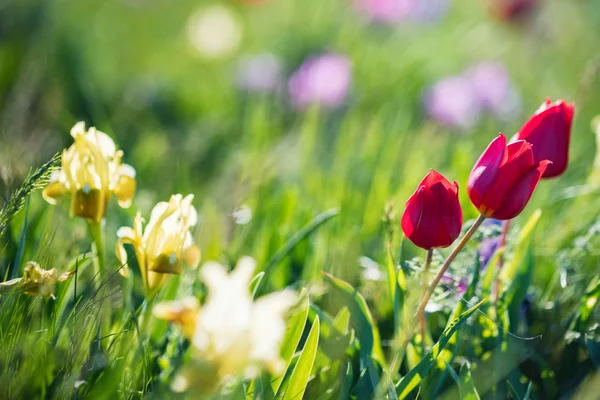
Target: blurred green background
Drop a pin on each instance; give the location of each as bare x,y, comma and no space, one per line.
189,122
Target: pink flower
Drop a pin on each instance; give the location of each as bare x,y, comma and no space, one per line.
322,80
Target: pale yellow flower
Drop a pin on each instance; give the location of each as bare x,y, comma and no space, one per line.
91,173
165,245
36,281
232,335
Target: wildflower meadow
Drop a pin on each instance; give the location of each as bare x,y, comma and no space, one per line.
300,199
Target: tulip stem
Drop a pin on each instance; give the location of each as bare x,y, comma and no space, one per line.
447,263
425,274
501,247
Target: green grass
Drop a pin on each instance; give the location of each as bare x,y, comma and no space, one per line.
325,188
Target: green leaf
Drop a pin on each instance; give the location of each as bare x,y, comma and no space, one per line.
255,283
348,381
466,386
341,322
587,305
299,379
415,375
361,318
298,237
293,333
510,269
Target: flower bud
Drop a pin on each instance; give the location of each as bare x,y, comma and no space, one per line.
504,178
433,217
549,131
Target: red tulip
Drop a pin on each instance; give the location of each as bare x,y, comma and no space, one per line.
549,131
504,178
433,217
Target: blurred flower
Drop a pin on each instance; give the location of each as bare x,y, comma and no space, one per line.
322,80
370,270
394,11
433,217
387,11
231,335
549,131
493,89
451,101
36,281
487,249
261,73
511,10
91,173
504,178
242,215
214,31
164,245
459,100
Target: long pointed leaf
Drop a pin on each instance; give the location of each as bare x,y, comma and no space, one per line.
299,379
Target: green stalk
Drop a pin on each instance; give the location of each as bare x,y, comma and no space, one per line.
98,247
424,277
447,263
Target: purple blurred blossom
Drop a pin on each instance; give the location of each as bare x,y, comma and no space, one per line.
487,249
322,80
260,73
494,90
395,11
459,100
451,101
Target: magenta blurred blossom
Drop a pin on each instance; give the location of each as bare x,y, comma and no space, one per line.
260,73
322,80
452,101
494,90
394,11
459,100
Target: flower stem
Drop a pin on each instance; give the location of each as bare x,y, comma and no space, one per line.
424,279
502,245
447,263
98,237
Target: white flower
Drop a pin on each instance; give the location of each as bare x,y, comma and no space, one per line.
233,334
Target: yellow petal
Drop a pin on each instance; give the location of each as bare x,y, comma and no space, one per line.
191,256
89,203
53,191
182,312
126,236
125,185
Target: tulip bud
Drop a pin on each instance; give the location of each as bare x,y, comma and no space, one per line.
433,217
549,131
504,178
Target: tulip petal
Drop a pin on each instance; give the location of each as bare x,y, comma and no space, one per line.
519,160
451,214
549,130
520,193
483,175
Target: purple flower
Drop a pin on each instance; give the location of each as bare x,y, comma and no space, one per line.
459,100
487,249
394,11
452,102
494,90
387,11
260,73
322,80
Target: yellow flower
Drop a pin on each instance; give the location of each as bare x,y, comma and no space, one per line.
165,245
36,281
231,334
91,173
